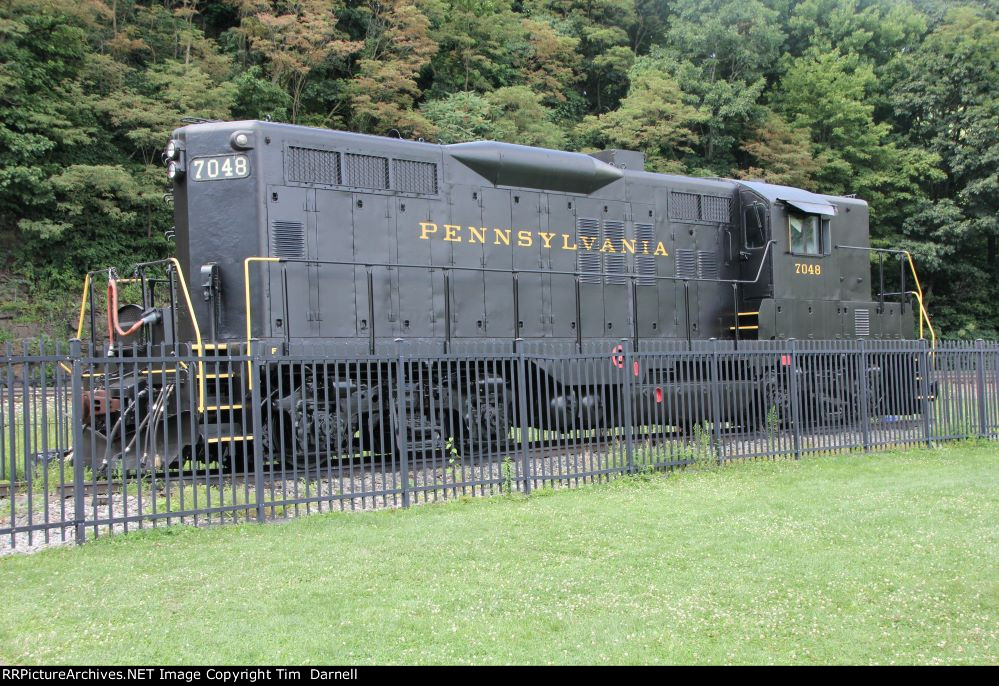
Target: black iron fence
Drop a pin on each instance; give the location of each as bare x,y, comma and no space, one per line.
93,444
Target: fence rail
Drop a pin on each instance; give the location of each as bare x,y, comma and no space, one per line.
93,444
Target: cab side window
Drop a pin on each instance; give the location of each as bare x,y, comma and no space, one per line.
754,222
808,234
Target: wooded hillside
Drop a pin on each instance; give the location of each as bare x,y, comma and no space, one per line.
894,100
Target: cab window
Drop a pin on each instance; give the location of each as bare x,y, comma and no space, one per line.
754,222
808,234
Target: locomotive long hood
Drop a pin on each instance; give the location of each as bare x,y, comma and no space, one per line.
506,164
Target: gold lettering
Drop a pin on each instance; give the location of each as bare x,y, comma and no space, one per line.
524,239
500,236
547,238
627,246
425,228
645,247
565,242
661,250
474,233
588,241
451,233
607,246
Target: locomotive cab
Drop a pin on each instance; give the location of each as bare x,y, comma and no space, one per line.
816,281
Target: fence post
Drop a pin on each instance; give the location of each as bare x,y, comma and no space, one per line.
400,429
865,412
525,429
795,400
716,400
980,369
924,393
77,400
626,404
258,430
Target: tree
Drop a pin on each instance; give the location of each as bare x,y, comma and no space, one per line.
479,42
945,98
513,114
295,37
385,88
782,154
721,53
653,117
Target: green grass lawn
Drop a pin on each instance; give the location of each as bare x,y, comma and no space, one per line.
890,558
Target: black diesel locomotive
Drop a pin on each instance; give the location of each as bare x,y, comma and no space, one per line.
290,237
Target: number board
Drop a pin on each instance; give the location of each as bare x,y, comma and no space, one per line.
220,167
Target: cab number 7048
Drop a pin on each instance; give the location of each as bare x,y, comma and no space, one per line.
220,167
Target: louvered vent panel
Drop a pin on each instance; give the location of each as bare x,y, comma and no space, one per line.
615,263
645,265
707,265
685,206
716,209
366,171
288,239
415,177
588,260
686,264
311,165
862,322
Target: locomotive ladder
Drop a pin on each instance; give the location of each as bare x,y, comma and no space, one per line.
223,421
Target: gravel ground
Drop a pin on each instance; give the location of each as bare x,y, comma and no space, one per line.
358,487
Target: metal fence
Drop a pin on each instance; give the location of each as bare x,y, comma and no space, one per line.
93,444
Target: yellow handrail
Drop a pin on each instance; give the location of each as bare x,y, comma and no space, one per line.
923,314
249,320
190,310
197,332
83,305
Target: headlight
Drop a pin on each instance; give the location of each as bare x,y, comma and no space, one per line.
173,171
241,140
171,150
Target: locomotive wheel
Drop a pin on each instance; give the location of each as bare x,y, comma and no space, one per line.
876,395
483,422
775,411
374,438
317,436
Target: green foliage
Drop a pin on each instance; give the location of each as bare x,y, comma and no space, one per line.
894,100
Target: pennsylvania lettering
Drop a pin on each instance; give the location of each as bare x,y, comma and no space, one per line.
524,238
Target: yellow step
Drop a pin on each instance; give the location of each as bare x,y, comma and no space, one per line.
226,439
210,346
744,328
209,408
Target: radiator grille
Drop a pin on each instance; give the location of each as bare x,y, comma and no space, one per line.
332,168
615,263
311,165
415,177
366,171
645,265
686,264
862,322
716,209
587,260
288,239
685,206
705,208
